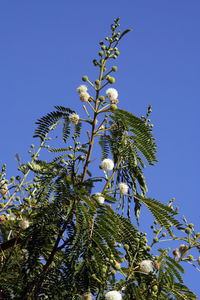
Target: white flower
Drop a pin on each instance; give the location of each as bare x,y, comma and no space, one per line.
84,96
107,164
123,188
113,295
100,199
24,224
74,118
112,93
11,217
3,187
146,266
82,89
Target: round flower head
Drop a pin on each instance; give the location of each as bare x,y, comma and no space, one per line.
113,295
146,266
100,199
82,89
84,96
112,94
107,164
123,188
74,118
24,224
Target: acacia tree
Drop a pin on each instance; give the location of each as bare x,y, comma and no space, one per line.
69,234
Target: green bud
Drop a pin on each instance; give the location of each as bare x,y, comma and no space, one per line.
32,146
12,179
117,53
148,248
191,225
1,205
82,157
114,56
111,80
17,198
85,78
155,288
119,245
71,156
5,197
104,69
190,257
156,257
95,62
107,38
126,247
97,82
164,234
113,107
155,240
8,211
114,69
116,39
188,230
101,98
113,272
100,53
103,47
101,43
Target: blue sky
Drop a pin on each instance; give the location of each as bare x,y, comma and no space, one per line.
47,46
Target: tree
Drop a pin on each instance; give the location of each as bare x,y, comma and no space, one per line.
68,234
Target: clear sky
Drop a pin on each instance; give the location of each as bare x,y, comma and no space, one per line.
47,46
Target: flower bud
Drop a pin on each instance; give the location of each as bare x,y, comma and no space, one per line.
188,230
111,80
183,248
176,253
114,68
85,78
100,53
113,107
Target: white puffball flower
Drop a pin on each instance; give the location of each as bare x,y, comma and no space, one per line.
107,164
74,118
24,224
11,217
113,295
112,93
82,89
100,199
123,188
3,187
84,96
146,266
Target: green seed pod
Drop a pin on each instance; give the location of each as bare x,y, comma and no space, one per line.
126,247
85,78
101,98
100,53
113,107
111,80
114,69
188,230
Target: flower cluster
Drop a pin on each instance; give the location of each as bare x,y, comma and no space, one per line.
24,224
123,188
74,118
113,295
146,266
100,199
107,164
82,90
